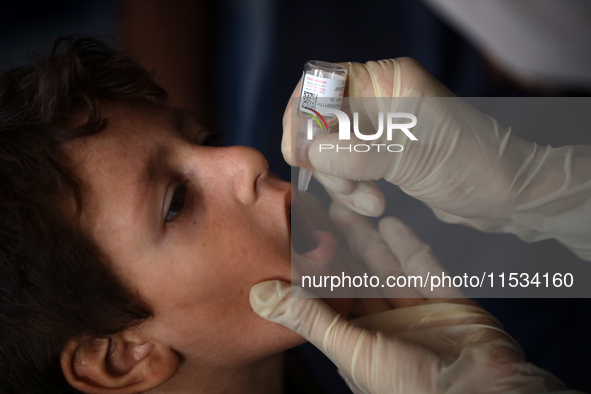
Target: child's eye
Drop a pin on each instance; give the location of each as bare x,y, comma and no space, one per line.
177,202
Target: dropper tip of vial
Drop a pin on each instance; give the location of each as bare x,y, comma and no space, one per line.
304,180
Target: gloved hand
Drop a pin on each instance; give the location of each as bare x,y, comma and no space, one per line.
465,166
421,346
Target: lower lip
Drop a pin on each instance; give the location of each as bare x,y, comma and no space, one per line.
326,248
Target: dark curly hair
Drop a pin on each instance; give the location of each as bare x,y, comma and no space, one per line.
53,284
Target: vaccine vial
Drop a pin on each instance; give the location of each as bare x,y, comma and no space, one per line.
323,88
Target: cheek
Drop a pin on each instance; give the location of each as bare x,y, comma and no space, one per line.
250,248
221,328
203,296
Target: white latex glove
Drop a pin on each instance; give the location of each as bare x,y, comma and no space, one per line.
465,166
537,24
432,346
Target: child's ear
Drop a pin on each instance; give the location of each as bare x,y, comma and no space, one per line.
122,363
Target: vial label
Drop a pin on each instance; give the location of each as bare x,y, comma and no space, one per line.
319,93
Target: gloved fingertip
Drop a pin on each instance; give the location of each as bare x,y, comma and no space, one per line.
392,227
265,297
286,151
368,205
336,184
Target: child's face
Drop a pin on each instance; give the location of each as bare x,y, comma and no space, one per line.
227,228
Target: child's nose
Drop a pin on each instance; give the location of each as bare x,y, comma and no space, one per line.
239,168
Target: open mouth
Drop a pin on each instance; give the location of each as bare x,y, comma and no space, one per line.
307,240
301,230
